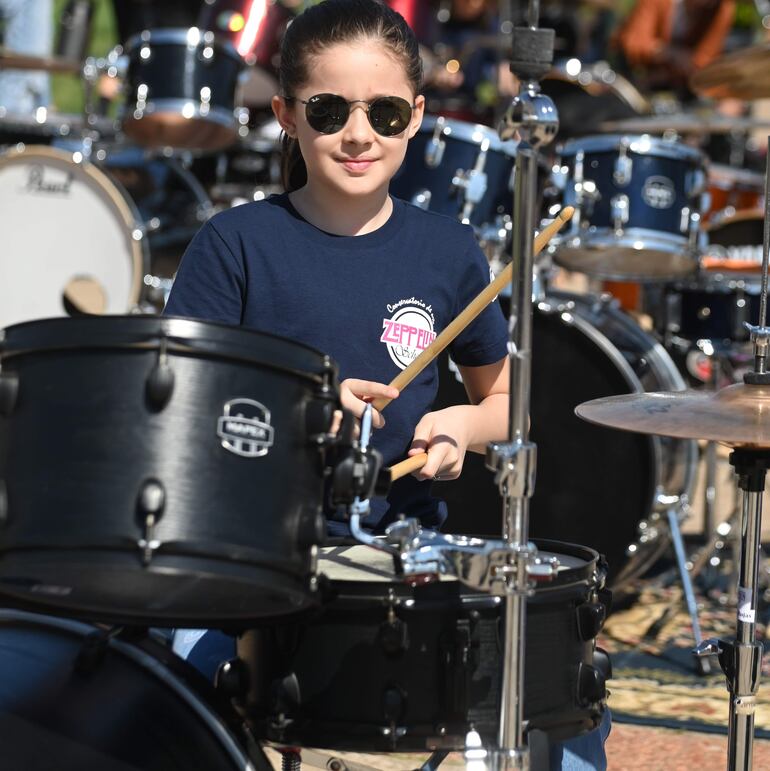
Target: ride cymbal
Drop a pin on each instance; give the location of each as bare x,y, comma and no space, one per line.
738,415
739,75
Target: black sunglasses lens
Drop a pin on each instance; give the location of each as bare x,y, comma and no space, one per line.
389,115
327,113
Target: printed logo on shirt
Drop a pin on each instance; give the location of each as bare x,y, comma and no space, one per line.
408,331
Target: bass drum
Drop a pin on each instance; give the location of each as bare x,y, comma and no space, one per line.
595,486
72,697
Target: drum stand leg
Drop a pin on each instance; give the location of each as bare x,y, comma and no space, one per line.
741,658
672,513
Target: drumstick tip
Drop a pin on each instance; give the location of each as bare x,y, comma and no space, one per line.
566,213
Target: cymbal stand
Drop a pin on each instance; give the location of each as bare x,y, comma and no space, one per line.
741,658
534,117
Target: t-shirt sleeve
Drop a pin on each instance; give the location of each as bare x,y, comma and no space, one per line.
210,283
484,340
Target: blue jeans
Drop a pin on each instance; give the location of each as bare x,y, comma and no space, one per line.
28,30
206,650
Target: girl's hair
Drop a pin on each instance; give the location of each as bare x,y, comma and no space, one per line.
327,24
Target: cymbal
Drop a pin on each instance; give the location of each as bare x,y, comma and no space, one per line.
738,415
20,61
740,75
684,123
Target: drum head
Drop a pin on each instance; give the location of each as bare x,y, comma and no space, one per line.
69,241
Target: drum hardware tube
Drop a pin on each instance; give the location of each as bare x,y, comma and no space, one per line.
534,116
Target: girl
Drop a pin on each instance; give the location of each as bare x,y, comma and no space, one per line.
338,264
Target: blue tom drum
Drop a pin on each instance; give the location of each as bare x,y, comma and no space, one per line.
638,207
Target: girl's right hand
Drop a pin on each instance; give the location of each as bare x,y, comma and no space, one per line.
356,394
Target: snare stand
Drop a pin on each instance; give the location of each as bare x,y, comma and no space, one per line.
533,116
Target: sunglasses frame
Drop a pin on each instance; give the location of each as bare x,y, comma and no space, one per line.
349,103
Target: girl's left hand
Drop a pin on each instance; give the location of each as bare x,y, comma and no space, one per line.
444,435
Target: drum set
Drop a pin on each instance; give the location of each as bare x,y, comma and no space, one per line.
413,641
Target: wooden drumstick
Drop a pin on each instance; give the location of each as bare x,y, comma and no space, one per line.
469,313
404,467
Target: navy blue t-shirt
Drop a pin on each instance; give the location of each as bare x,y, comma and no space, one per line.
372,302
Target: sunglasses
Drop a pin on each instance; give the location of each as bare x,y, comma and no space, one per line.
328,113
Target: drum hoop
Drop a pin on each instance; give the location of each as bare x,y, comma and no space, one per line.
367,590
730,215
149,664
639,144
180,35
121,203
472,133
177,333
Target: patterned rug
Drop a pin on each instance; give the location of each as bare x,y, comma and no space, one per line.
655,679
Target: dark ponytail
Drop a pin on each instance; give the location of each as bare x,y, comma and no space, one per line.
327,24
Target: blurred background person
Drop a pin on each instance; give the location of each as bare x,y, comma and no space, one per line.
663,42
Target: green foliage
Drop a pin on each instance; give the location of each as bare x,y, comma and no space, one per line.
67,90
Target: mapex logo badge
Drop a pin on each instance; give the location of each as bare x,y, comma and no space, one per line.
245,428
659,192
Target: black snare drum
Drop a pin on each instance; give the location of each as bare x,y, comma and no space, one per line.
386,667
72,700
181,89
637,206
160,470
460,169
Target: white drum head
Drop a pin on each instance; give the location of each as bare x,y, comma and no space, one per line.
66,228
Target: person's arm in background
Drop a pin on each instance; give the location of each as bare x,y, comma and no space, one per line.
641,37
713,41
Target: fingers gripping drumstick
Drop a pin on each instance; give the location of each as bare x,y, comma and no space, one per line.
470,312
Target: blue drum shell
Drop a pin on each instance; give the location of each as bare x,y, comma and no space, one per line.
94,438
462,144
181,89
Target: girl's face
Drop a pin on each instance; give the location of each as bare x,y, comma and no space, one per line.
355,161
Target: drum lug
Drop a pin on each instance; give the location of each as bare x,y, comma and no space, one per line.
624,166
619,205
160,381
151,502
473,182
590,619
434,150
393,635
9,391
591,685
421,199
